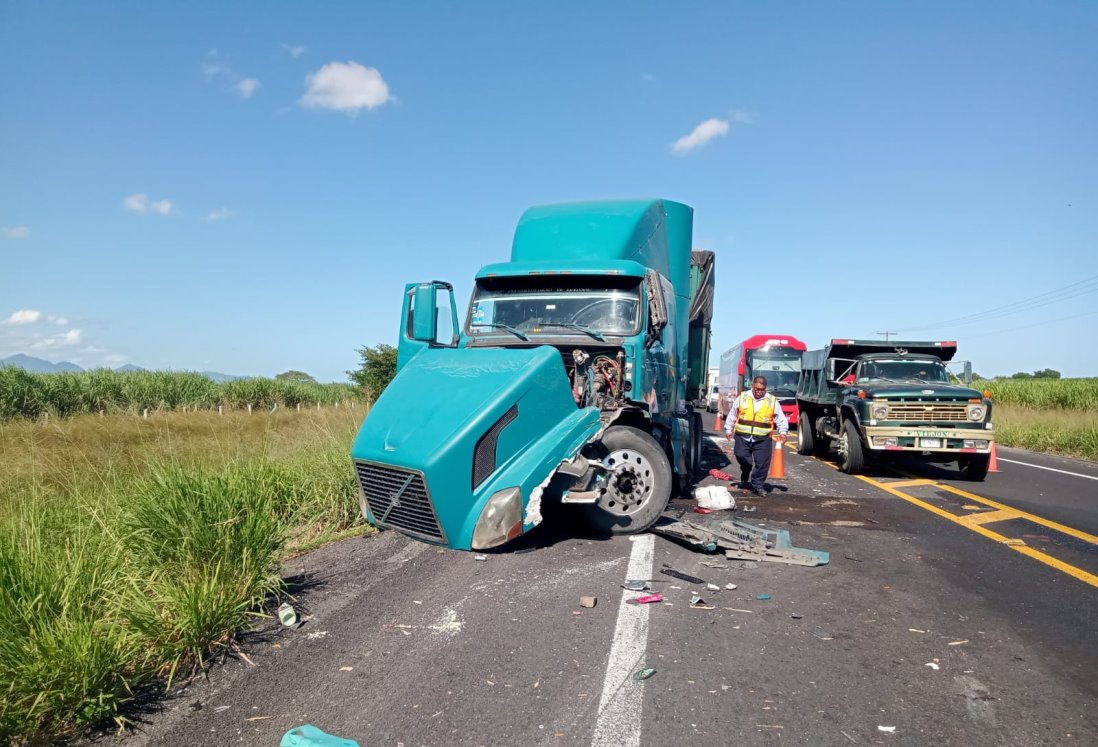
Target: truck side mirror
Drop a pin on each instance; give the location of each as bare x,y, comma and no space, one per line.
424,317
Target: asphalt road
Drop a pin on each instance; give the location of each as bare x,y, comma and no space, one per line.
927,626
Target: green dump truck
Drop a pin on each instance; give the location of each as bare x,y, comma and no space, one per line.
876,399
577,376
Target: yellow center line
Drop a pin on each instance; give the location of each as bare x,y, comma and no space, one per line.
987,517
911,483
1078,573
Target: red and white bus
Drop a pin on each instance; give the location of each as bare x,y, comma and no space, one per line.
777,357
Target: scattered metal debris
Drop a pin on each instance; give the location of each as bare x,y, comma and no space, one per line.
681,576
739,540
643,674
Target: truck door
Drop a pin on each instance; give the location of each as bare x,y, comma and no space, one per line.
428,318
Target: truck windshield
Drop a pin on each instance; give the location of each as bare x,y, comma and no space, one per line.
931,372
556,305
781,366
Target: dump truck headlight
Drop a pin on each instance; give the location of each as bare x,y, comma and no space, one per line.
500,521
880,412
975,412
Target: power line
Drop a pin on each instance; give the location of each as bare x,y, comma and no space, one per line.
1065,293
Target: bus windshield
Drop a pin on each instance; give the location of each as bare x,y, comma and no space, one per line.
556,306
781,366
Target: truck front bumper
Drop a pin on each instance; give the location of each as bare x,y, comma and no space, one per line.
938,440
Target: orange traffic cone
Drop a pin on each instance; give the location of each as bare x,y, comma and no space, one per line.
719,425
993,463
777,462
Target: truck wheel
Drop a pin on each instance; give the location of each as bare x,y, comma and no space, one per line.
974,467
806,444
851,455
637,485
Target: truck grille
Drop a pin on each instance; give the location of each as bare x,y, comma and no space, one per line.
398,499
928,412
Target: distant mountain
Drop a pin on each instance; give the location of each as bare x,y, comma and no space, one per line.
38,365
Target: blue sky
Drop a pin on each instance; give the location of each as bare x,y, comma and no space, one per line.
246,187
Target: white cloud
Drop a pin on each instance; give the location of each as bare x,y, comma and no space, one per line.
247,87
219,214
295,51
14,232
68,339
142,205
24,316
217,69
345,86
59,320
701,135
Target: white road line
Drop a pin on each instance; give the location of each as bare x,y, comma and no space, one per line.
619,719
1050,469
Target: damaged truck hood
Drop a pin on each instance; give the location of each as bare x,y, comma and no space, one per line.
458,425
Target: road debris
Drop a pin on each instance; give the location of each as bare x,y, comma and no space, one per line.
700,510
720,475
480,557
957,643
712,587
636,585
346,669
915,630
647,599
762,597
823,635
697,603
286,614
887,729
714,497
734,609
738,539
932,665
643,674
852,739
588,601
668,571
796,616
310,736
730,586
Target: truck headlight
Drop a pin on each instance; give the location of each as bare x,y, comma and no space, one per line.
975,413
500,521
880,412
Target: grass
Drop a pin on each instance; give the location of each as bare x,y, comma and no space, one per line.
132,550
34,395
1044,394
1067,432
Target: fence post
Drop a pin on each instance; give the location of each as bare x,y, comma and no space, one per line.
249,408
219,409
299,407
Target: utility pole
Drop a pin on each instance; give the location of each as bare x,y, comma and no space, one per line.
886,335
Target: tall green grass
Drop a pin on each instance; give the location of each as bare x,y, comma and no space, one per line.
125,562
1065,394
31,395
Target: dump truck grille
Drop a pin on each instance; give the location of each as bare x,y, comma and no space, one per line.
922,412
398,499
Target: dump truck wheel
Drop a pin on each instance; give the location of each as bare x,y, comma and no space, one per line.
974,467
851,455
637,485
806,443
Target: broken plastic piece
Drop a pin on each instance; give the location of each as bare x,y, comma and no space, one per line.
286,614
720,475
682,576
588,601
730,586
647,599
310,736
762,597
712,587
643,674
700,510
887,729
715,497
480,557
636,585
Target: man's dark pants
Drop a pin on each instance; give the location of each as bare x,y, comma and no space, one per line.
754,459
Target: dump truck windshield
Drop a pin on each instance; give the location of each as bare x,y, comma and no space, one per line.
931,372
556,306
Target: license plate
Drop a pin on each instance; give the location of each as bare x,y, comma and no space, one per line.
930,443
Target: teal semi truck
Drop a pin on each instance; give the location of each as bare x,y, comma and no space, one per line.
577,376
876,398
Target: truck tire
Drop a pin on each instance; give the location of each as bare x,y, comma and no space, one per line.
638,484
806,442
851,454
974,467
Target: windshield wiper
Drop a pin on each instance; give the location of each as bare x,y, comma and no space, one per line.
582,328
499,325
